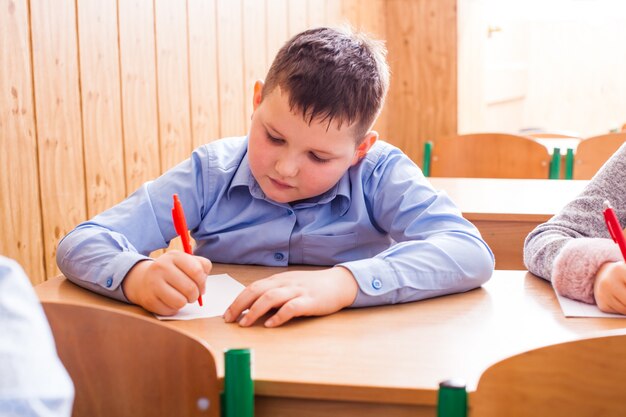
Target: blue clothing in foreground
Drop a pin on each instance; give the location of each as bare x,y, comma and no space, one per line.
383,221
33,381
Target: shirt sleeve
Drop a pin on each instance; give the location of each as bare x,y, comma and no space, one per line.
436,250
99,253
33,381
580,218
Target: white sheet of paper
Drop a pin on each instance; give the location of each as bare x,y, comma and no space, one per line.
573,308
221,291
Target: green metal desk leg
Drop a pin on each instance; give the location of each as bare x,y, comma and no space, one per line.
238,395
452,399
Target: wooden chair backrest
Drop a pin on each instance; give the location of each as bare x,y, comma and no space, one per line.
580,378
593,152
123,364
489,155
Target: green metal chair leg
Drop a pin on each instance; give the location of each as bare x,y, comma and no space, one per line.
428,150
569,164
555,164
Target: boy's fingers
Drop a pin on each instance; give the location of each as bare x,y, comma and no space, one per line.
273,298
168,299
207,265
191,277
246,298
293,308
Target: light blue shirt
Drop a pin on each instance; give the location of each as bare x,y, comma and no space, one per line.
33,381
402,240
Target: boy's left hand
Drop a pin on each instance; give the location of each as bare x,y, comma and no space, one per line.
294,293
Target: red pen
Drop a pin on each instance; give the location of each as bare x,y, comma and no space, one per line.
180,224
615,230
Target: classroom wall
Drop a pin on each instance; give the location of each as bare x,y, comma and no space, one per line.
98,96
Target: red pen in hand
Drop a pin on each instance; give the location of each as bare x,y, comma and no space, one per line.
180,224
615,230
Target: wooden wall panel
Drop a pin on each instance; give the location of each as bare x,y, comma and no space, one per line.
334,17
316,13
139,92
59,138
20,211
100,94
372,20
297,17
422,54
277,28
230,64
203,73
172,81
254,51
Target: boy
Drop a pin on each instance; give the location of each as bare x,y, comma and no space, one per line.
310,184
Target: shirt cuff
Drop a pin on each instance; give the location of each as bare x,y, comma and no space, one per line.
110,281
376,280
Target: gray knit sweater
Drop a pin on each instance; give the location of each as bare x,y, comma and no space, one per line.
570,247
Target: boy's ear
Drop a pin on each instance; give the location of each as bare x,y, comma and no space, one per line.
258,94
365,145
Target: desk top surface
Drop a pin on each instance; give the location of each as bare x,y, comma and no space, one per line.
399,353
509,199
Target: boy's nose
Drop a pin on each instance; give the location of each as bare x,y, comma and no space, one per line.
287,166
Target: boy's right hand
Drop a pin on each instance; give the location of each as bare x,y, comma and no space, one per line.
168,283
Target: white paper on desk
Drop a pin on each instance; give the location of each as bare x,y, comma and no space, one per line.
221,291
573,308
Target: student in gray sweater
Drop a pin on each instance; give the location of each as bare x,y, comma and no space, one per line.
574,249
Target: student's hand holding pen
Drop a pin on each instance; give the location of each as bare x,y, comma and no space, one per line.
294,294
167,283
609,288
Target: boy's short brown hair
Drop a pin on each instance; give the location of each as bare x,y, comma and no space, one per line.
332,74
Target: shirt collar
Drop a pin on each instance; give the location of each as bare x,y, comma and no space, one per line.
338,195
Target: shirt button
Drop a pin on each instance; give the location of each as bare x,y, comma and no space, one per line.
109,282
289,212
279,256
377,284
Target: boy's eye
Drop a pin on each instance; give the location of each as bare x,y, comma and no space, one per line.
275,140
316,158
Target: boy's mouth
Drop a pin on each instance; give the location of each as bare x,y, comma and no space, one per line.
280,184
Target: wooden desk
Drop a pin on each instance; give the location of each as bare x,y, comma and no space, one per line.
562,143
379,361
506,210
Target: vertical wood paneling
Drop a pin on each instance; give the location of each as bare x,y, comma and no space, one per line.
334,17
139,93
204,78
57,104
230,62
100,94
372,18
350,13
20,212
316,13
172,81
254,50
297,17
277,28
422,99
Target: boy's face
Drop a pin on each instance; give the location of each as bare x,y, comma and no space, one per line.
292,160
